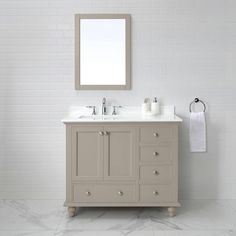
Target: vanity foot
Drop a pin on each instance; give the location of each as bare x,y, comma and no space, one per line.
172,211
72,211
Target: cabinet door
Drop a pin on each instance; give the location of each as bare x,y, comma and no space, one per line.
119,153
87,153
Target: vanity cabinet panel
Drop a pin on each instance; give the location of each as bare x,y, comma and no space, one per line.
156,174
156,154
119,153
87,153
156,134
104,193
158,193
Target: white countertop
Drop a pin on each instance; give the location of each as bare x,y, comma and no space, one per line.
129,114
116,119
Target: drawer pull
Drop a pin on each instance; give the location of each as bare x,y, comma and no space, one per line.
155,134
101,133
155,153
120,193
106,133
155,172
155,193
88,193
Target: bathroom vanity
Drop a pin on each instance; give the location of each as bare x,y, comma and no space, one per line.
122,161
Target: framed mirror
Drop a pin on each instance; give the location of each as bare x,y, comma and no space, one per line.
102,52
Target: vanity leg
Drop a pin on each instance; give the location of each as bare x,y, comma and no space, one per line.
72,211
172,211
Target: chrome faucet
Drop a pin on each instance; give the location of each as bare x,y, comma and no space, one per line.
104,108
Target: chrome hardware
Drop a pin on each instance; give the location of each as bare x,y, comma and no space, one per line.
104,109
88,193
155,193
94,109
155,134
155,172
103,133
120,193
114,112
155,153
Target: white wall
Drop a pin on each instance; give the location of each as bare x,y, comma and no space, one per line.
180,50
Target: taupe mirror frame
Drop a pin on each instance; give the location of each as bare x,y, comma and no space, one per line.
127,84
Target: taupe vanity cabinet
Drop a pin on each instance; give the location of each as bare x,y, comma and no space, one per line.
121,164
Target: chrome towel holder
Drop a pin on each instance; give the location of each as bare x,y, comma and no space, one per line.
196,100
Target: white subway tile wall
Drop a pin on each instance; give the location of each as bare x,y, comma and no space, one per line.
180,50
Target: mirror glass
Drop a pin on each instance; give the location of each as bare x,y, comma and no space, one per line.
102,51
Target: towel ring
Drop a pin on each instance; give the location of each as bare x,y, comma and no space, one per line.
196,100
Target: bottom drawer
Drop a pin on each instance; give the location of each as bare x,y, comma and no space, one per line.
104,193
158,193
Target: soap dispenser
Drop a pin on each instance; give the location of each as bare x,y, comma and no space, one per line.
155,107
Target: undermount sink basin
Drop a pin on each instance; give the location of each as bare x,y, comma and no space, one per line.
98,117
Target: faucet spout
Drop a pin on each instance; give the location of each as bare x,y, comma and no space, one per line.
104,108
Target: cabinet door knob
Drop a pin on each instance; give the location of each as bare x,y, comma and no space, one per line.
155,192
155,134
101,133
120,193
88,193
106,133
155,172
155,153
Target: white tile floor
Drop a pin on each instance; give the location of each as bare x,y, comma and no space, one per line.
48,217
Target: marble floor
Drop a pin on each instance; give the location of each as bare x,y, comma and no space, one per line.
48,217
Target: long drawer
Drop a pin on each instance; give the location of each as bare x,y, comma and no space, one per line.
156,154
104,192
157,193
156,174
156,134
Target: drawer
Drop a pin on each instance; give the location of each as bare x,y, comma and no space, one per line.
104,193
156,154
158,193
156,174
156,134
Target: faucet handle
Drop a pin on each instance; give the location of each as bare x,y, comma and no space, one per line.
94,109
114,110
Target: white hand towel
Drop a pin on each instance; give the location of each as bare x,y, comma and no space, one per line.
197,132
